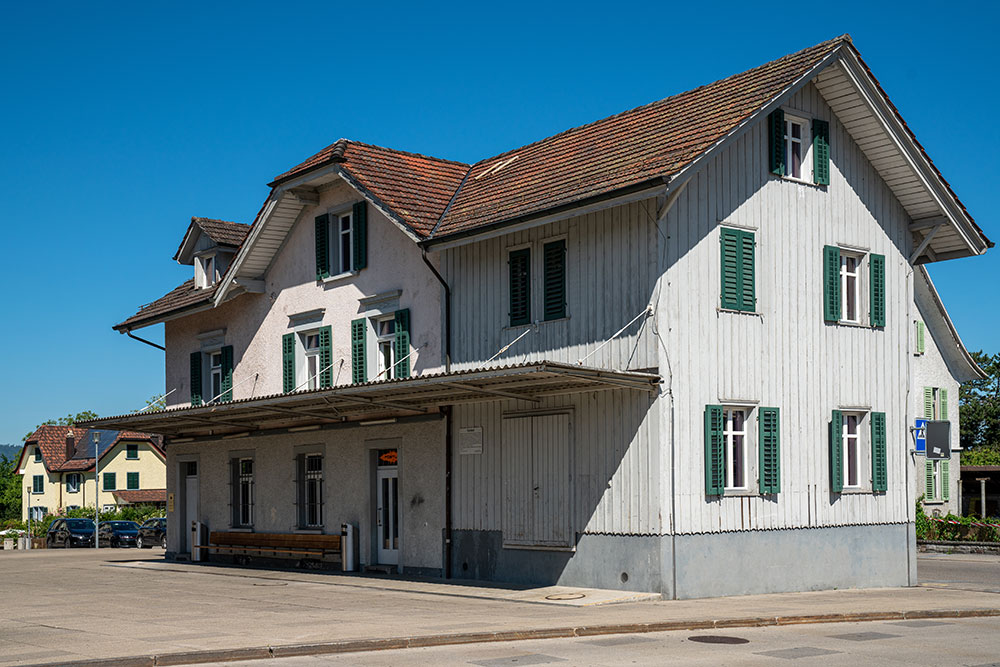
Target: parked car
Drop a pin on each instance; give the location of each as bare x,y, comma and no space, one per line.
118,533
68,533
152,532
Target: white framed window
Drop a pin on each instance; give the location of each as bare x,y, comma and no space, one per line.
850,287
341,235
206,273
73,483
38,512
797,143
215,374
734,433
311,358
38,484
385,334
851,440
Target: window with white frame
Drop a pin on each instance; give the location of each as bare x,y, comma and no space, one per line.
242,492
796,148
215,373
73,482
38,484
734,433
341,237
851,439
310,496
207,273
385,330
850,287
311,358
38,512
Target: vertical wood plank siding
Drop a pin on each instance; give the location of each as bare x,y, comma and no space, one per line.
786,356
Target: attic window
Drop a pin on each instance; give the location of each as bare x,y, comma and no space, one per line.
205,272
496,167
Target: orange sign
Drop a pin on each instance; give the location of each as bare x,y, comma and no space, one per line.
388,457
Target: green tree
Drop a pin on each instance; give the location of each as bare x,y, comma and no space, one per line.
10,489
979,405
68,420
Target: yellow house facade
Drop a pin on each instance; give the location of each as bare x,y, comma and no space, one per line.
58,470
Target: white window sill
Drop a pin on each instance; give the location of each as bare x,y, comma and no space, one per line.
338,277
753,313
935,502
241,529
855,491
539,323
739,493
856,325
801,181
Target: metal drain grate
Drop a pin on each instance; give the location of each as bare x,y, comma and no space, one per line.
565,596
718,639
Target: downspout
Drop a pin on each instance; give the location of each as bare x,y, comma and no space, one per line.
143,340
447,415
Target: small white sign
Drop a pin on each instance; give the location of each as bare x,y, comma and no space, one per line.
470,440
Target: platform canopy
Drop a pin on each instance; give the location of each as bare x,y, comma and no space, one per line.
384,399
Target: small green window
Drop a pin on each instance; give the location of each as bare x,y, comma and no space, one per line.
554,283
38,484
109,482
131,452
921,338
519,264
38,454
132,481
738,271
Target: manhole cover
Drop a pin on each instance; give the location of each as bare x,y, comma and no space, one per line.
718,639
271,583
565,596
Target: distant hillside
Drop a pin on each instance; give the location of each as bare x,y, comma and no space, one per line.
11,451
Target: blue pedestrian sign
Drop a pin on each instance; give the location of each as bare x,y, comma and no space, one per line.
921,433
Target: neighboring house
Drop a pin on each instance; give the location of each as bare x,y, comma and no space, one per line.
942,363
669,350
58,465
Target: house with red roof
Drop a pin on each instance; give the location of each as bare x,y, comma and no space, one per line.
59,463
671,350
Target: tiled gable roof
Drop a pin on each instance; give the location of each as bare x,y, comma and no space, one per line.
180,298
223,232
51,439
416,187
137,496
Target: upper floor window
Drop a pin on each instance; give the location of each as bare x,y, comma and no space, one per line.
110,482
848,287
307,359
131,451
73,482
342,241
795,146
206,271
38,484
38,454
391,347
385,330
858,455
849,264
799,149
738,270
311,356
552,288
935,403
212,375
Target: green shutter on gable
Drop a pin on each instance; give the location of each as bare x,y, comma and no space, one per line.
929,480
748,293
837,451
196,384
715,457
944,404
227,373
326,357
770,450
359,358
831,283
288,362
945,480
109,482
519,265
554,275
132,481
821,151
928,402
876,270
359,216
776,142
402,369
322,247
880,468
738,270
921,344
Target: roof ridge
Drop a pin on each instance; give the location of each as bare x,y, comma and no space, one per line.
412,153
199,219
828,43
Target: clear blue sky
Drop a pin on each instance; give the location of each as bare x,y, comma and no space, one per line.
121,123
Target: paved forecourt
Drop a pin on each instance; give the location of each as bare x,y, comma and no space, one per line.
71,605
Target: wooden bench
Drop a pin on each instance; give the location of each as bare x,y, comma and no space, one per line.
275,545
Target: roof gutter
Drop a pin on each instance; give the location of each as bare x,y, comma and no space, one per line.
143,340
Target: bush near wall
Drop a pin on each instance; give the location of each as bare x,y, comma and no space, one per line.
963,531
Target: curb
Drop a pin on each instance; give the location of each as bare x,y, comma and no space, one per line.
389,643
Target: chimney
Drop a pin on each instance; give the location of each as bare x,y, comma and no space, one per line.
70,445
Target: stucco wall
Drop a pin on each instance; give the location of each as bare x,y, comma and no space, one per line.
150,466
348,486
255,323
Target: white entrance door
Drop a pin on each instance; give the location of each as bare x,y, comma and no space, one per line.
190,503
387,514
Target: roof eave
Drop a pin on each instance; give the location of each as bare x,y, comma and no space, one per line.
125,327
975,372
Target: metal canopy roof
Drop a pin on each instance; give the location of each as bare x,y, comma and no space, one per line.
375,400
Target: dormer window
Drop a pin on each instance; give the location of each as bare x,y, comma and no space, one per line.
206,272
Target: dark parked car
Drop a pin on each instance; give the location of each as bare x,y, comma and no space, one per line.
68,533
151,533
118,533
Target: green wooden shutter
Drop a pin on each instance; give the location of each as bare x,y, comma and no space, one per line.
359,358
831,283
110,483
402,369
929,480
196,384
132,481
519,264
880,468
554,256
776,142
729,240
876,270
928,402
227,373
288,362
326,357
715,458
945,480
821,151
944,404
359,220
322,247
748,295
769,450
921,343
837,451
